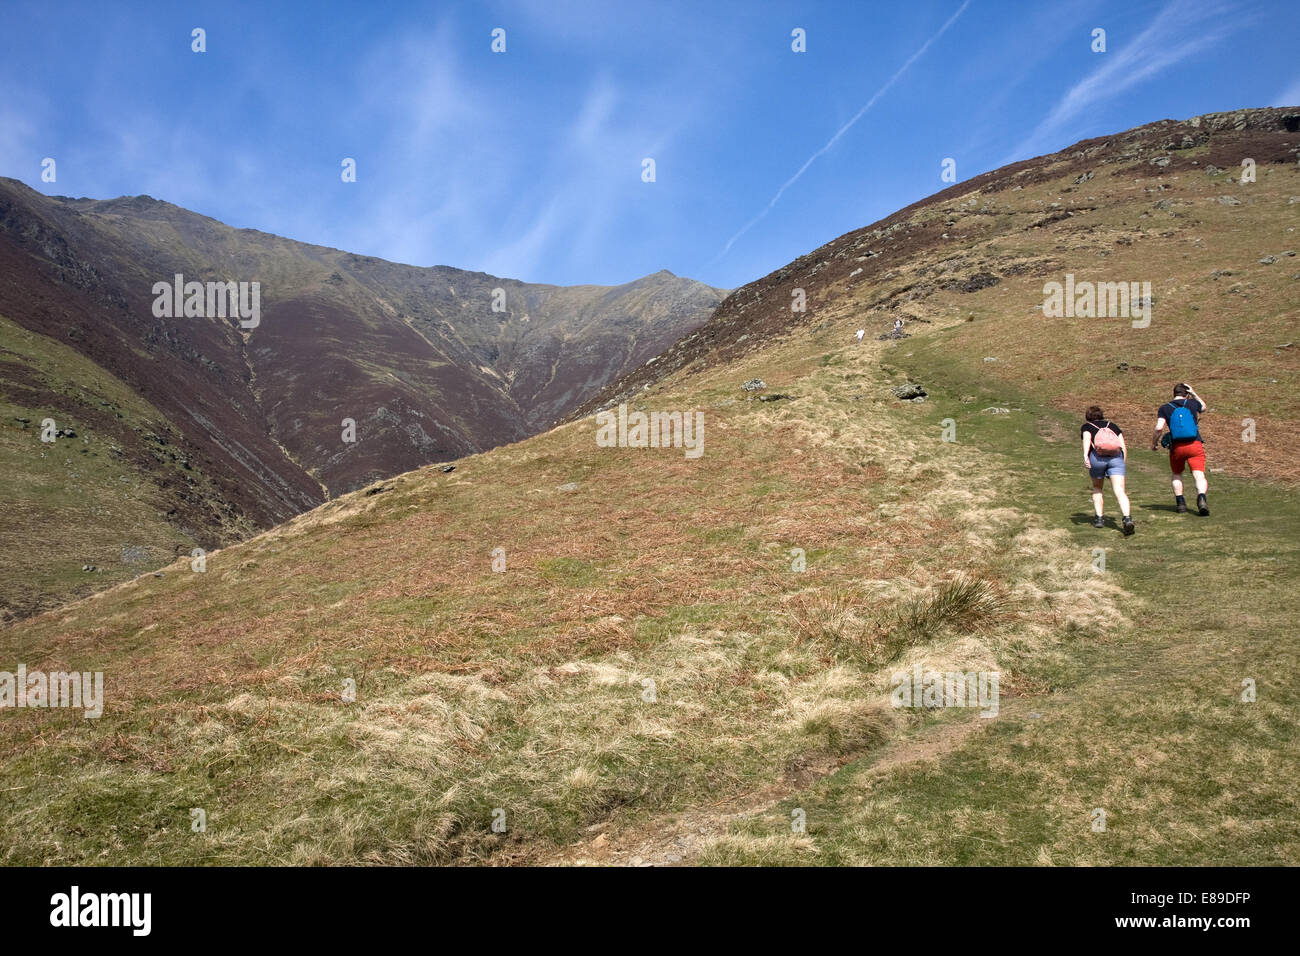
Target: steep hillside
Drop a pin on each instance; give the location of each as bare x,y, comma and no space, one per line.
430,364
567,652
112,494
1162,204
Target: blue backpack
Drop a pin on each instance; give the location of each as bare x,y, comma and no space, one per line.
1182,425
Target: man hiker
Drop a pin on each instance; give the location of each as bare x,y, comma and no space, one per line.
1182,417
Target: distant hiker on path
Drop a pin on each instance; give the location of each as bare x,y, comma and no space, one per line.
1104,455
1182,416
898,326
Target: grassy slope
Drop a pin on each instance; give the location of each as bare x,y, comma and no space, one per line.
1148,725
524,690
76,501
1219,332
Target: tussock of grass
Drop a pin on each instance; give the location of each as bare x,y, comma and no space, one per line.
873,636
963,604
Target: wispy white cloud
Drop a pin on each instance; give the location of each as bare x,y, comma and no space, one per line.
844,129
591,172
1179,30
1289,96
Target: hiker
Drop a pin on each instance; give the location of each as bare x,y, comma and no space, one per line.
898,326
1182,416
1104,455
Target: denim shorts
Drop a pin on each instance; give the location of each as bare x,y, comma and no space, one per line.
1099,467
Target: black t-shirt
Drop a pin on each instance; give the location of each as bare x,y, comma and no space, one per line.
1166,411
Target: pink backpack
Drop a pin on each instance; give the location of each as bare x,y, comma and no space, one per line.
1106,442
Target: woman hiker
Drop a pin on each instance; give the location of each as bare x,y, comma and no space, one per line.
1104,454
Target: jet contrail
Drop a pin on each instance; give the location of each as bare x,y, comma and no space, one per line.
845,128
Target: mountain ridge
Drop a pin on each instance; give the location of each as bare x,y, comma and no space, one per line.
429,363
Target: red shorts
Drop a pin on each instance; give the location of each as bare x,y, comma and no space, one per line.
1191,453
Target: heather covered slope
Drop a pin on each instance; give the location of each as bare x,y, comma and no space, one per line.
462,368
416,357
650,674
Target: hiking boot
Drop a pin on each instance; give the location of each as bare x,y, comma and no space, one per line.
1128,526
1181,508
1098,522
1202,508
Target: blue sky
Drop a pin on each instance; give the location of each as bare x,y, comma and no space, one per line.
528,163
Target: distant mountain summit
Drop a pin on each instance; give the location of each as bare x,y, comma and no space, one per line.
356,369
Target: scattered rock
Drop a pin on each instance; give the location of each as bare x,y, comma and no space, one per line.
995,410
1165,204
1228,201
909,391
1212,170
980,280
754,384
447,469
374,490
772,398
990,358
1268,260
1159,161
568,486
134,554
